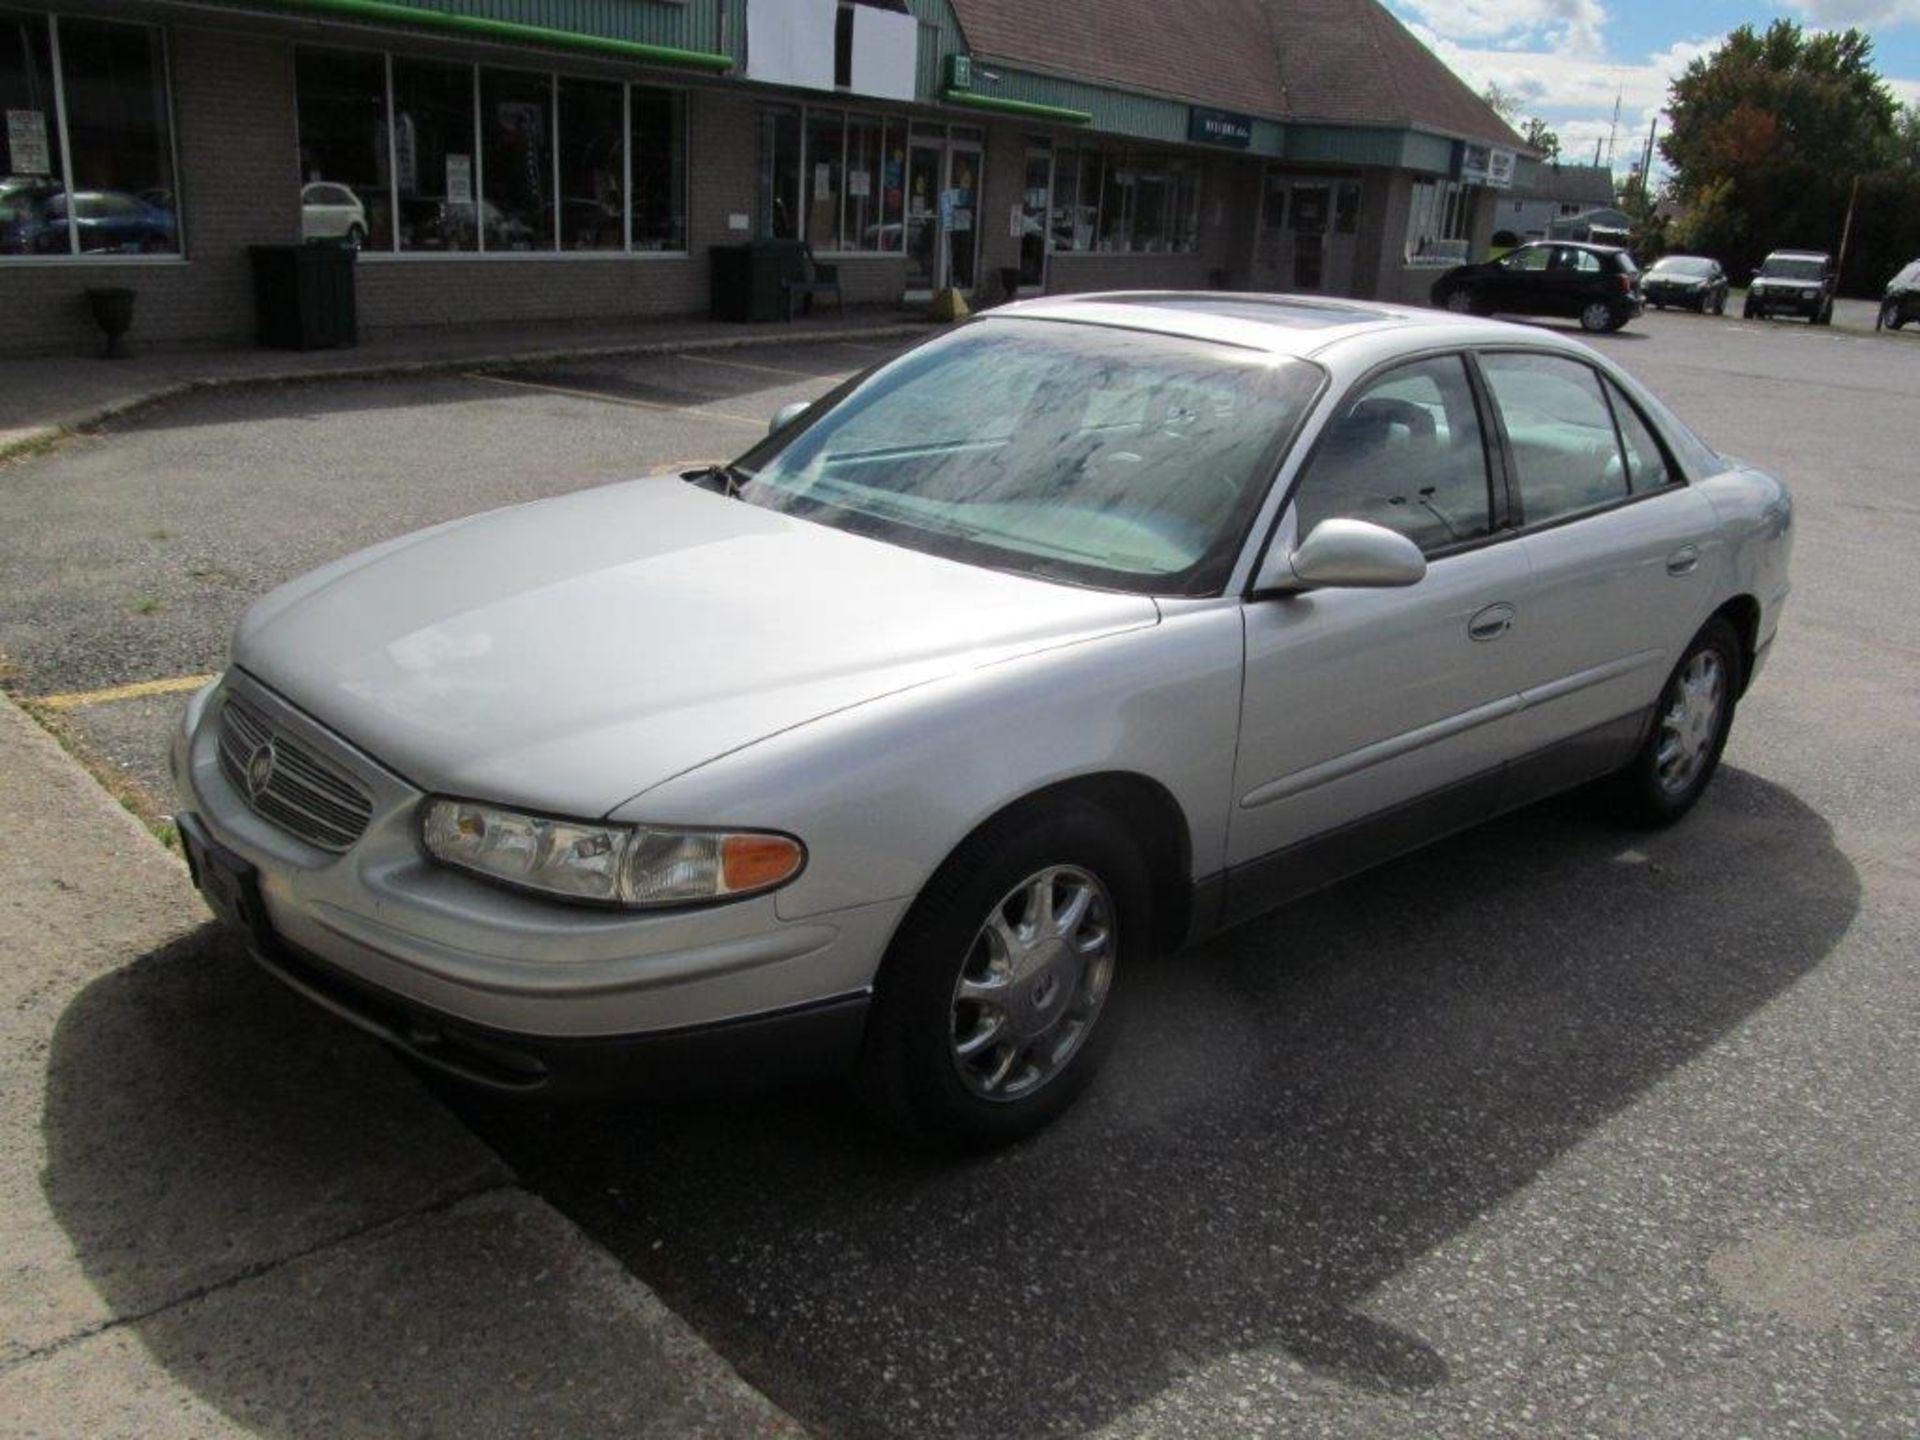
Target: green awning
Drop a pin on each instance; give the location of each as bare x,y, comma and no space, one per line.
1030,108
480,27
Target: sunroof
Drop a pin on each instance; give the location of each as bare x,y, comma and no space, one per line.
1266,312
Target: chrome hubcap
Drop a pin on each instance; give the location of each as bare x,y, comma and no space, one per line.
1033,983
1691,722
1597,316
1459,302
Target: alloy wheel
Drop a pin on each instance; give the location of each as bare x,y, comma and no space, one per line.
1596,317
1691,723
1033,983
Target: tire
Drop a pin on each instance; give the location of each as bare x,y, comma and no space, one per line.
971,928
1672,768
1889,316
1597,318
1751,311
1824,315
356,237
1720,305
1461,302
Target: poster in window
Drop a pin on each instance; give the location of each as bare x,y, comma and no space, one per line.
27,142
459,179
859,184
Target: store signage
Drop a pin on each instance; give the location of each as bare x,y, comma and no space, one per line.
959,72
27,142
1219,127
1486,165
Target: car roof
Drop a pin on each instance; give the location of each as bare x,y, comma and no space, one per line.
1293,326
1798,255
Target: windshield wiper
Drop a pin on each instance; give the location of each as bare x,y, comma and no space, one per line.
727,480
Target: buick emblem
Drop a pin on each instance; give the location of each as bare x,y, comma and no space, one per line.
260,770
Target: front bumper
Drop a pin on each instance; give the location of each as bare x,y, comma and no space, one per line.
1789,302
510,990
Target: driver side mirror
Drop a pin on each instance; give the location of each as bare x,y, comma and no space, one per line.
787,414
1343,554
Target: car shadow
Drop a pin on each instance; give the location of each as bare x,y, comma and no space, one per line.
1297,1112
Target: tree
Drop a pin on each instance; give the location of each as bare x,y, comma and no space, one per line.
1540,136
1503,103
1766,136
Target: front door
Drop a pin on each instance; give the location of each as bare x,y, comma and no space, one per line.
1308,231
1036,204
925,164
943,219
1268,241
962,218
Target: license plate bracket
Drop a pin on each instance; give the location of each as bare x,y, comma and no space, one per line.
229,884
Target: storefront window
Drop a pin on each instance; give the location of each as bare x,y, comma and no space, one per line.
30,145
1124,201
866,188
826,139
1439,222
593,166
341,110
516,160
779,216
433,151
659,170
115,131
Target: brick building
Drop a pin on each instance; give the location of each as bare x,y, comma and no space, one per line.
499,160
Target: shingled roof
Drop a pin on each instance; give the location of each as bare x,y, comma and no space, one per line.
1344,62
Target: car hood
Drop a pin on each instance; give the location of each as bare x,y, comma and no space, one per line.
1782,282
570,654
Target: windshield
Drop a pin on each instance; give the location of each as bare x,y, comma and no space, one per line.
1775,267
1687,265
1108,457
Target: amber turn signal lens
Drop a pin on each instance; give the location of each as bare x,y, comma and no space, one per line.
753,862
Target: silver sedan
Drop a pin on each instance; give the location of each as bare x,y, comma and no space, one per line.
1077,632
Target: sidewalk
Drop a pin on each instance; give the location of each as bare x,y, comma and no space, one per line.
42,397
223,1214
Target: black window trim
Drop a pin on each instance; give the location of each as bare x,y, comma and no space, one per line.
1521,527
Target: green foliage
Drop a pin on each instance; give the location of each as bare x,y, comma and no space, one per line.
1765,139
1541,137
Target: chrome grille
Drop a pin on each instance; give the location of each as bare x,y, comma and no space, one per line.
302,793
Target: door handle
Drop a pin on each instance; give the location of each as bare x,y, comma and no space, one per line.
1491,623
1684,560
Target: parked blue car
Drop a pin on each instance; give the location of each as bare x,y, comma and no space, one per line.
34,221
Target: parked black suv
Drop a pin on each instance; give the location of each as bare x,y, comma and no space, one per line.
1793,282
1901,303
1599,285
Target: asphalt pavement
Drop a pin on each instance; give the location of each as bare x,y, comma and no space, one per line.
1552,1129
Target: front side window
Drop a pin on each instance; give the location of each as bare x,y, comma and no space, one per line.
1119,459
1561,433
1528,258
1406,452
113,127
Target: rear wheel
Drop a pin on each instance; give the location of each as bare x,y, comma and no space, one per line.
1690,725
356,237
1597,316
1460,302
1751,311
994,1006
1720,305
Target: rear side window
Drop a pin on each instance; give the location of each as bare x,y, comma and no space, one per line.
1647,467
1405,452
1560,429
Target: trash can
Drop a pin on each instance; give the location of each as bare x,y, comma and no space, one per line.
303,296
744,280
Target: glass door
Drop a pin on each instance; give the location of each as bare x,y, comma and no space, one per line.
1268,238
1036,204
960,212
1312,210
925,160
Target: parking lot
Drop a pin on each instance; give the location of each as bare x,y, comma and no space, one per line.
1551,1129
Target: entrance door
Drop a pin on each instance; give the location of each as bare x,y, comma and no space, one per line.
962,218
1307,234
1307,237
1036,204
1267,240
925,161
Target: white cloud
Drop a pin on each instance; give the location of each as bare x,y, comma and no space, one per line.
1838,13
1574,25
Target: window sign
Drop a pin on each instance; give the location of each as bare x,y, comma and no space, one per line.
27,143
459,179
859,184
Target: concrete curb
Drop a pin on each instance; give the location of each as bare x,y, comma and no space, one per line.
228,1215
31,438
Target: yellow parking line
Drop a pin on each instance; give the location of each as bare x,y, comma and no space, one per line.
605,399
138,690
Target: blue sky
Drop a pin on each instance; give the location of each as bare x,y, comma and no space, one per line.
1568,59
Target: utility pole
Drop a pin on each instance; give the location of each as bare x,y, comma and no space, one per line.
1646,163
1614,128
1846,232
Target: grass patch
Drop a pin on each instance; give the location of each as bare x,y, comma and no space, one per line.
146,605
134,797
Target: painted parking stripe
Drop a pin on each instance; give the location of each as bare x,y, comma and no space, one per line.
698,411
138,690
751,367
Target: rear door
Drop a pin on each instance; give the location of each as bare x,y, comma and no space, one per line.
1359,701
1620,549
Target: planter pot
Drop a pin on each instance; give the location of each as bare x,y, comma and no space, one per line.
113,313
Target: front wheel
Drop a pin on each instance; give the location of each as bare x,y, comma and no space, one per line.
1690,725
1720,305
355,237
1598,317
994,1005
1460,302
1751,311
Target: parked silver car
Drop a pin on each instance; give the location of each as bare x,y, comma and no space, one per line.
1082,630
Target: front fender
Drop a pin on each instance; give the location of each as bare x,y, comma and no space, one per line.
882,793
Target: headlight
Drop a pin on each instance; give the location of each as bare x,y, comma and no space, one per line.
633,866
